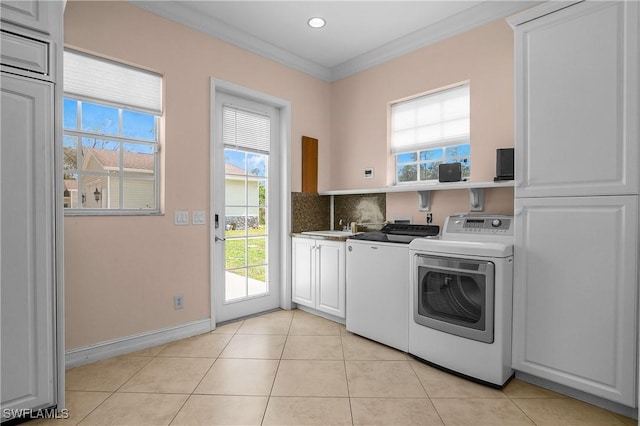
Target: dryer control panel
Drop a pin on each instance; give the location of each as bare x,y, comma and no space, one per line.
480,227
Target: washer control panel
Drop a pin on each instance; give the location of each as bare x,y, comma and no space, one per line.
489,226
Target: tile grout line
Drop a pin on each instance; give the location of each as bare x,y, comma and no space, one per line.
112,393
203,376
346,376
426,392
266,406
514,403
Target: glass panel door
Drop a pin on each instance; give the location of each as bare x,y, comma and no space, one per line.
245,203
246,225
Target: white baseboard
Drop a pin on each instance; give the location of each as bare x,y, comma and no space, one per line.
580,395
124,345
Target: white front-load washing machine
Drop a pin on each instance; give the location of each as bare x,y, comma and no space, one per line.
461,297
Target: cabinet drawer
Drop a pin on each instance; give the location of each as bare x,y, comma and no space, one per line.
24,53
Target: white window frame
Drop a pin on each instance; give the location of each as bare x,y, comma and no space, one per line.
440,160
79,133
104,82
418,142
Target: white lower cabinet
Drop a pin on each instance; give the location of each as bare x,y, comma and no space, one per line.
318,274
575,293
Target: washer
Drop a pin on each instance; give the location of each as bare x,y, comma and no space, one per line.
378,282
461,297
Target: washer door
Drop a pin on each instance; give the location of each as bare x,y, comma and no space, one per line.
455,296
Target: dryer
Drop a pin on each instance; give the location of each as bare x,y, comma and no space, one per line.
461,297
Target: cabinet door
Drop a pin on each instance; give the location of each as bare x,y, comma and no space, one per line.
575,293
302,271
32,14
27,305
331,277
577,101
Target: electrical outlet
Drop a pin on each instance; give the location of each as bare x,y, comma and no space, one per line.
178,301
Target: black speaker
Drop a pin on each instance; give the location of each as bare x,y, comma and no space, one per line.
504,164
449,172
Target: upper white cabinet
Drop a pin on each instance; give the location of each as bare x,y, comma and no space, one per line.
577,100
318,275
31,14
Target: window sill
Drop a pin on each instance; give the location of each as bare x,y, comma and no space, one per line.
91,213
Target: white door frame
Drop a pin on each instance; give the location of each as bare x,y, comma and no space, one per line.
284,240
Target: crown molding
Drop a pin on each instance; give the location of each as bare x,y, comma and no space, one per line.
459,23
464,21
182,14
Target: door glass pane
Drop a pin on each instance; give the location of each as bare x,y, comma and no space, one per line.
257,251
236,256
257,281
235,287
245,224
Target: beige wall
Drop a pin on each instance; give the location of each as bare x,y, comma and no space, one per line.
144,261
484,57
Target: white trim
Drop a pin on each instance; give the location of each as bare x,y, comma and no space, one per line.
579,395
469,19
177,12
284,106
136,342
539,11
466,20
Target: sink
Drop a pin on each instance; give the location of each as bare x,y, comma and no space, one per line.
329,233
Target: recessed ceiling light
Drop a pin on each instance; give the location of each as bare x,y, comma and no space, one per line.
316,22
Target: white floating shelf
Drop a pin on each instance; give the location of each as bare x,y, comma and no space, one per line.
476,191
424,187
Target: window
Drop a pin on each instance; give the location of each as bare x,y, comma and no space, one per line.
111,116
429,130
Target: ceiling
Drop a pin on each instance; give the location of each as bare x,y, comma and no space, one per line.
358,34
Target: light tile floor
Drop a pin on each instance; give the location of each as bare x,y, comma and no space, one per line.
293,368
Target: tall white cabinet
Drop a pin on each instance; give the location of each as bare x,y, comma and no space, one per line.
577,161
31,346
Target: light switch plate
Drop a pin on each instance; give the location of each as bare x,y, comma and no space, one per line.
198,217
181,217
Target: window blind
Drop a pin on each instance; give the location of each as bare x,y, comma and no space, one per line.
246,130
437,119
99,79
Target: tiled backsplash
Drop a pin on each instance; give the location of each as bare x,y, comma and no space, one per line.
311,212
361,208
